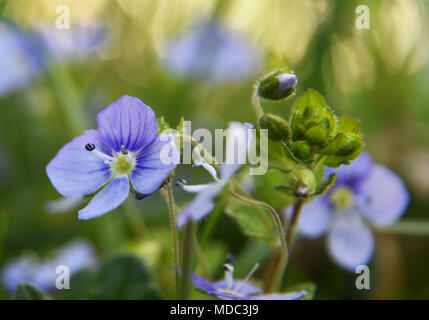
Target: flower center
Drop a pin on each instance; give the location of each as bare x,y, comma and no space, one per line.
342,198
123,164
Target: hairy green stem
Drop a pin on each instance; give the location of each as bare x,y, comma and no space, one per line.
282,262
290,233
187,261
172,211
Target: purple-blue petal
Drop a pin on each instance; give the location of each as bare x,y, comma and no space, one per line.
281,296
352,175
350,242
109,198
129,122
383,197
201,205
316,217
154,163
241,287
76,172
202,284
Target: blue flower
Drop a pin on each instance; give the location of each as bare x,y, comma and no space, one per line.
124,152
76,255
229,288
238,139
81,41
364,193
210,52
21,58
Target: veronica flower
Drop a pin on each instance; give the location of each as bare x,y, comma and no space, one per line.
76,255
82,40
229,288
365,193
21,58
125,152
238,139
210,52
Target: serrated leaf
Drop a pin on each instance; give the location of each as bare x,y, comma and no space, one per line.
253,221
162,125
28,291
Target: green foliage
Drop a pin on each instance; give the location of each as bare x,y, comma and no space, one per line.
265,188
3,229
162,125
121,276
278,128
28,291
253,221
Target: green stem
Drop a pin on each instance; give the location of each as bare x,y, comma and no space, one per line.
282,262
134,218
172,211
257,107
407,227
290,233
188,249
65,91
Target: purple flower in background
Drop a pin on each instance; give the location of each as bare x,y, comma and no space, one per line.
124,152
24,56
238,139
364,193
231,289
210,52
76,255
81,41
21,58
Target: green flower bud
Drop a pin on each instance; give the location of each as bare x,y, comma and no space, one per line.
278,128
277,85
303,181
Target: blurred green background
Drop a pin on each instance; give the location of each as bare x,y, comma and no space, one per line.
377,75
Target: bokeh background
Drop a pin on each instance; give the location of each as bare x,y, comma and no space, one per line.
379,75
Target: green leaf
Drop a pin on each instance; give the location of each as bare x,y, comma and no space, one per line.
162,125
124,276
309,287
253,221
119,277
264,185
324,186
28,291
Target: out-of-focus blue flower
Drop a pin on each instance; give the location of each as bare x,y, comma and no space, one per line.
364,192
76,255
125,151
21,58
210,52
238,139
229,288
24,55
81,41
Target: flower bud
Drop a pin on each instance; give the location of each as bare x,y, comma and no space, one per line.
278,85
303,181
278,128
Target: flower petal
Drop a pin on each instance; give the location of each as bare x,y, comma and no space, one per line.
76,172
315,219
109,198
238,139
383,197
202,283
240,287
201,205
281,296
350,242
152,166
129,122
352,175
